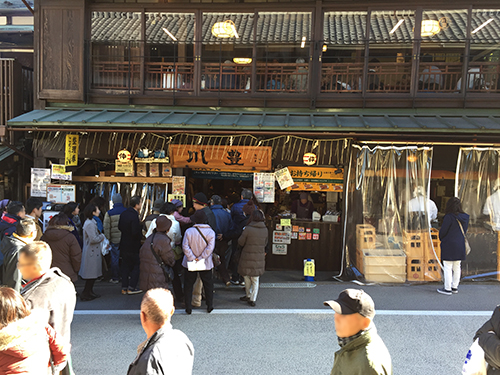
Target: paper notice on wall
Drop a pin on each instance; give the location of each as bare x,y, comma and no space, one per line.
40,177
59,172
178,185
61,193
279,249
284,178
282,237
263,187
180,197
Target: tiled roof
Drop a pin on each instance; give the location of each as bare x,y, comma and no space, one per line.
14,4
344,28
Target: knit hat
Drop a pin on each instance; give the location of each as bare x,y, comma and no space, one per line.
177,203
199,217
249,208
157,205
216,199
117,198
200,198
163,224
304,195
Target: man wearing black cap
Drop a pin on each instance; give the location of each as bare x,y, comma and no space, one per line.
362,351
200,202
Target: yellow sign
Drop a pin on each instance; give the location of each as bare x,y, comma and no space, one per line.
286,222
124,155
180,197
124,166
309,268
59,172
71,155
317,179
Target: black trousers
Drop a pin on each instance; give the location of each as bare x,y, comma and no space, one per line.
221,248
177,281
208,284
130,271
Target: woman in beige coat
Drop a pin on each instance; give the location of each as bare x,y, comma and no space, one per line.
91,267
252,263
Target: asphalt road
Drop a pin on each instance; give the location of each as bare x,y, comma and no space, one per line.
289,332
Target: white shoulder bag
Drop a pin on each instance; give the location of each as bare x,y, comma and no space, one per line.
474,361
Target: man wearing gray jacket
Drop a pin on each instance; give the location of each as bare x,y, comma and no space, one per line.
166,350
114,236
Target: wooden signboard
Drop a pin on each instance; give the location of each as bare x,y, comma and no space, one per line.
224,157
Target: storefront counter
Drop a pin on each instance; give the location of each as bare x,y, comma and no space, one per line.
325,248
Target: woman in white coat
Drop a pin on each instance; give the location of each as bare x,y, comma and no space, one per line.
91,267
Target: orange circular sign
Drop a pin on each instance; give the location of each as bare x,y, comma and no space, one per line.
310,158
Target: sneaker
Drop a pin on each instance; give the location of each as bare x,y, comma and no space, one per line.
454,290
251,303
124,291
114,281
444,291
134,291
244,298
228,283
242,283
235,282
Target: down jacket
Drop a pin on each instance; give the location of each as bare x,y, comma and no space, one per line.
111,220
66,251
489,340
151,275
27,345
253,241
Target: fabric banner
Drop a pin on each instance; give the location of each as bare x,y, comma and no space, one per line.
71,154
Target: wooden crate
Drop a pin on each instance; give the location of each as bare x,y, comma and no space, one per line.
384,266
432,271
365,236
416,243
415,269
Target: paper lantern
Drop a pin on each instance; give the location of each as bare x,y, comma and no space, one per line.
430,27
226,29
242,60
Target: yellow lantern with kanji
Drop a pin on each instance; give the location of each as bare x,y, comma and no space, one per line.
226,29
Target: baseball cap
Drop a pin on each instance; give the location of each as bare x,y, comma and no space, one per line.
351,301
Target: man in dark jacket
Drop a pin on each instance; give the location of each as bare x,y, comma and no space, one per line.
489,341
10,246
48,289
130,244
15,212
224,226
113,234
166,350
362,351
200,202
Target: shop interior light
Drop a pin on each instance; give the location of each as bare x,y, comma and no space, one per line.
169,34
242,60
396,26
303,44
481,26
430,27
226,29
325,47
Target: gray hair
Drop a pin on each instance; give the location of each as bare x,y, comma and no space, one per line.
157,305
246,194
25,227
40,252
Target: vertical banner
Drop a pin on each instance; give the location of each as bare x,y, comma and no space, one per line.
71,155
178,185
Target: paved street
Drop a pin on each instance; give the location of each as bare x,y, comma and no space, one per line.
289,332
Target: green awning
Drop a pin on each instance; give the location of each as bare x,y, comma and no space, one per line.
5,152
447,121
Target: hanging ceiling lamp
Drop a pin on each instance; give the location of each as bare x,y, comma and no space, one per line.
430,27
242,60
226,29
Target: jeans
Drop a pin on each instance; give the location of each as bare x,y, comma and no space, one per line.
115,261
252,287
452,273
130,271
208,284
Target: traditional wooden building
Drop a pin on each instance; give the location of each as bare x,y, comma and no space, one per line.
291,77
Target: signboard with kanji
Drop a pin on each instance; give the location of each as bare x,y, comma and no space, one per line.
317,179
71,154
224,157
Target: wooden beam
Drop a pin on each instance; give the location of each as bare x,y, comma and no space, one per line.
130,180
28,6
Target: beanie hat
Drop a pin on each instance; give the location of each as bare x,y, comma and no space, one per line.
163,224
157,205
117,198
216,199
200,198
177,203
249,208
199,217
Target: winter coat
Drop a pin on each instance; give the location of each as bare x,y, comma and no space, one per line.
174,233
181,219
130,226
26,346
210,218
168,351
223,219
53,292
8,225
194,246
76,231
489,341
238,216
10,247
147,223
91,267
452,239
38,223
151,275
66,251
253,241
365,355
110,224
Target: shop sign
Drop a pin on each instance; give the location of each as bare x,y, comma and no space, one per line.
180,197
284,178
263,187
310,158
71,150
217,174
229,158
282,237
178,185
59,172
279,249
124,155
61,193
124,166
317,179
40,177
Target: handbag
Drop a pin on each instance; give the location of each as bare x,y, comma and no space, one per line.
215,257
105,247
475,363
168,272
467,245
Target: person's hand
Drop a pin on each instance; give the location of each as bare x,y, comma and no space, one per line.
197,260
219,237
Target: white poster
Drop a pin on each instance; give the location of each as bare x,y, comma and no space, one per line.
61,193
279,249
59,172
263,187
40,177
282,237
284,178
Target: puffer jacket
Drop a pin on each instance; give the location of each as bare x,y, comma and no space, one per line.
365,355
489,341
66,251
253,241
27,345
151,274
111,220
8,225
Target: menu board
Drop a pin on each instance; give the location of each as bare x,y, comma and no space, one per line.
178,185
61,193
59,172
284,178
180,197
40,177
282,237
263,187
